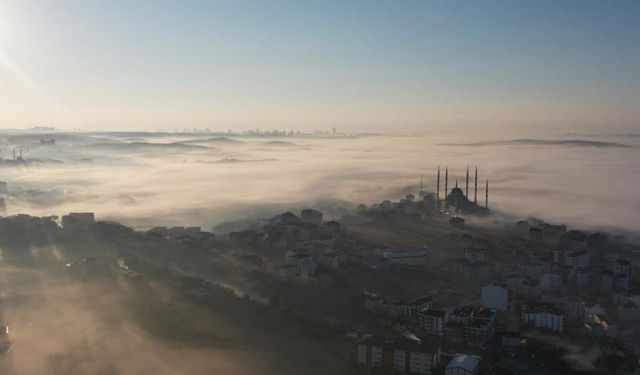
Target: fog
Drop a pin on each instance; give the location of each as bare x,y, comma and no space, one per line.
147,179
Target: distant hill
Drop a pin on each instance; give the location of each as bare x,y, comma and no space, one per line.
541,142
216,140
146,146
280,144
234,160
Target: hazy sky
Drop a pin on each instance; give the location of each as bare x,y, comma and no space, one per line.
358,65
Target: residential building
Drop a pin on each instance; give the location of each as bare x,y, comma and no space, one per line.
408,258
607,280
481,328
434,321
544,315
304,262
550,280
311,216
410,356
495,297
462,314
427,302
578,259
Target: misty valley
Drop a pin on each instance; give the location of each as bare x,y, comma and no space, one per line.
199,252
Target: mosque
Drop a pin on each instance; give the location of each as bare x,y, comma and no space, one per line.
458,201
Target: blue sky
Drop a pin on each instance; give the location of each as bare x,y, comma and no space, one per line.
358,65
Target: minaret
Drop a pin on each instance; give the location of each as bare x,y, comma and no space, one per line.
466,189
475,192
446,185
455,198
14,154
438,190
486,197
421,185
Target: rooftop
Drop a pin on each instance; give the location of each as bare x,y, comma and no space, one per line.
542,307
466,361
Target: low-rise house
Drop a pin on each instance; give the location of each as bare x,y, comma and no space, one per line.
248,262
408,258
465,364
285,271
406,355
374,303
78,220
544,315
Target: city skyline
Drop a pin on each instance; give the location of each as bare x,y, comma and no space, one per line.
358,66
